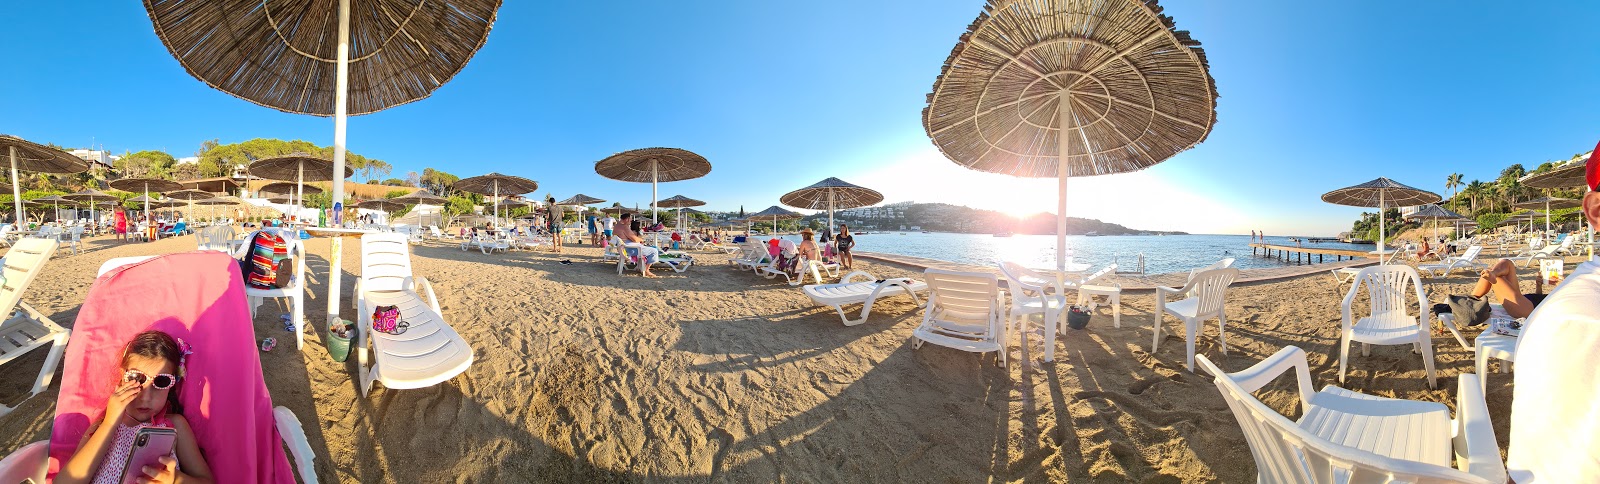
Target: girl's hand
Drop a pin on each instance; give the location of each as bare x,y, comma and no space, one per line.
119,400
166,473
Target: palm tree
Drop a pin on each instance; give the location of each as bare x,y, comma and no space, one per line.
1512,190
1452,182
1474,190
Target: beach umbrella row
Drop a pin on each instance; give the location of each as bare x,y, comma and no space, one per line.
654,165
1061,89
496,185
1381,193
421,197
1548,203
831,194
24,155
1435,213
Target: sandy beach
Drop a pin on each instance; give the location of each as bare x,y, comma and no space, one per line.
722,376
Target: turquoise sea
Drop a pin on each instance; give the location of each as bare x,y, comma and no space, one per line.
1162,254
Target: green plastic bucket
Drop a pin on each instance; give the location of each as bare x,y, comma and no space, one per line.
338,347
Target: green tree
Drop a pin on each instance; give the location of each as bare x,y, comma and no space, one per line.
396,182
1451,183
145,164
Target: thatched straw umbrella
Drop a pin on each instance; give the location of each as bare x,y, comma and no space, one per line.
496,185
384,205
1434,213
773,213
1569,176
1548,203
679,202
297,57
1381,193
92,196
145,185
289,188
580,200
26,155
831,194
301,167
421,197
1069,88
654,165
618,209
55,202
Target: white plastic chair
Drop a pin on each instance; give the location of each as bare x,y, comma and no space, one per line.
1208,292
963,312
1388,322
1344,436
26,328
1028,297
430,351
294,290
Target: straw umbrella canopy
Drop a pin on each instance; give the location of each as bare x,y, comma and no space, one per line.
496,185
24,155
145,185
1058,89
774,213
654,165
300,167
618,209
288,188
53,200
1548,204
385,205
1434,213
679,202
1381,193
92,196
1569,176
421,197
581,200
831,194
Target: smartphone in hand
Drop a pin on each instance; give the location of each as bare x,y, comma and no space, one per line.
149,445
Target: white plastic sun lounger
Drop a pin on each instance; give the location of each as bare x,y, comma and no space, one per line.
429,352
861,287
1468,260
27,329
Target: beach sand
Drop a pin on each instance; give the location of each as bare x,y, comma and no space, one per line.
720,375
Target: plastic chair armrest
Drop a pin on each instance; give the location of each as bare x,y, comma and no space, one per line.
1476,450
1263,372
851,277
427,287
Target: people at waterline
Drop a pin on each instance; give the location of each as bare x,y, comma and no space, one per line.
846,243
646,255
144,395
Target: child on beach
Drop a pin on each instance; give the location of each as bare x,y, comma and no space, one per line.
145,395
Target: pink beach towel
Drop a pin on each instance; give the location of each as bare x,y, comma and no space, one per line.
199,297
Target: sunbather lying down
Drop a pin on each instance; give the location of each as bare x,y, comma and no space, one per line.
1502,279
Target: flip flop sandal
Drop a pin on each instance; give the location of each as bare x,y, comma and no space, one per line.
268,344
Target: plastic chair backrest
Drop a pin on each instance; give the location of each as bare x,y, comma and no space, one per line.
963,296
1225,263
1386,286
1471,253
23,262
385,262
1211,287
1023,279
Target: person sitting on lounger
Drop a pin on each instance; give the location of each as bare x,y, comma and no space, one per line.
145,395
808,248
646,255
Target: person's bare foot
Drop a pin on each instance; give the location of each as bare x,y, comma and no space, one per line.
651,276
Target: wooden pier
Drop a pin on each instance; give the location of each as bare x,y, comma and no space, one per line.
1302,255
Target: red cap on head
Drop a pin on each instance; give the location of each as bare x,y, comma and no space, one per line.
1591,172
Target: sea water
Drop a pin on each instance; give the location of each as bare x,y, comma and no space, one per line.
1162,254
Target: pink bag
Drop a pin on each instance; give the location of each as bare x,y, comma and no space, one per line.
386,319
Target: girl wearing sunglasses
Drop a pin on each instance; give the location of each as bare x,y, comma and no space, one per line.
144,394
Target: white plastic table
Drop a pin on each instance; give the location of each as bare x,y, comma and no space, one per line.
1493,345
1052,319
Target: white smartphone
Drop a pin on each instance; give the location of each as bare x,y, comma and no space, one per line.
149,445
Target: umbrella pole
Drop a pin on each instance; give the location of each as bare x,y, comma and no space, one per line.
16,189
655,177
340,112
1380,227
497,203
830,210
1062,172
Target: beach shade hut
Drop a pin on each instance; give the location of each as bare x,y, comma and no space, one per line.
1434,213
145,185
91,196
654,165
1070,88
831,194
1548,204
496,185
679,202
423,197
54,201
24,155
774,213
300,167
1381,193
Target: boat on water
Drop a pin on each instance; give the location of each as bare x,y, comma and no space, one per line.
1002,234
1092,234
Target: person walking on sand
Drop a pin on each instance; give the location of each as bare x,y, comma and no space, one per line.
555,223
120,223
646,255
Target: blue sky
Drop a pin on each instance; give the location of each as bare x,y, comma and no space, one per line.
1314,96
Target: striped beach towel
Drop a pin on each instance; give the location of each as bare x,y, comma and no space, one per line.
266,250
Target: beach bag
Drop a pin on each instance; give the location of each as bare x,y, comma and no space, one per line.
386,319
260,266
1468,310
